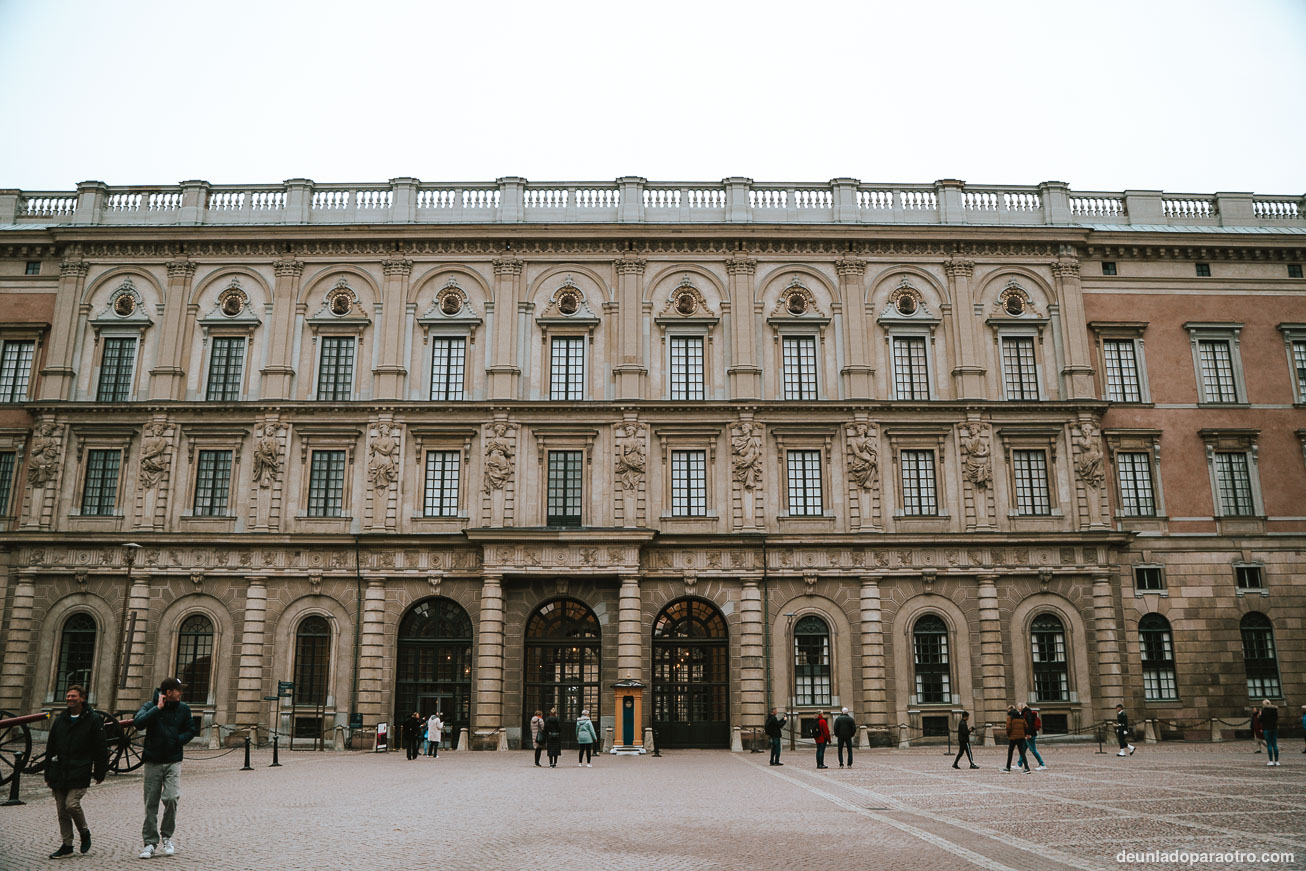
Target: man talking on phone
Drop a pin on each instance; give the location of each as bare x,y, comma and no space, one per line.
168,727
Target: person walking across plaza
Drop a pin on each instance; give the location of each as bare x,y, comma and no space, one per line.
434,734
75,754
586,738
1270,728
412,734
1258,734
773,728
537,735
963,740
169,727
1122,731
553,737
1016,738
1033,723
821,732
845,729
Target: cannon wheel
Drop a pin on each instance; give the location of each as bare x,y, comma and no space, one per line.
14,740
125,745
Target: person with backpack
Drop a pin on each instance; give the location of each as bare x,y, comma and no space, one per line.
586,737
845,729
1033,725
963,740
76,753
821,732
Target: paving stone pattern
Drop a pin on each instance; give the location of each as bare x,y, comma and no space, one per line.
897,809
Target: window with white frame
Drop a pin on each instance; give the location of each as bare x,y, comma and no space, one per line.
567,367
930,656
798,366
919,488
1156,649
1123,383
448,364
326,483
1259,657
335,371
15,369
8,462
1019,367
117,362
1233,482
687,367
1249,577
1149,579
688,483
565,482
811,661
804,481
1047,636
911,376
441,494
100,484
212,483
1134,478
1030,474
226,368
1217,360
1294,338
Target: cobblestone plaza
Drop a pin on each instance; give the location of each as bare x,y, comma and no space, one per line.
896,809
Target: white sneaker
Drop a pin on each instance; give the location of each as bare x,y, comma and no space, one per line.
1122,753
168,847
1269,763
1132,748
1041,768
589,765
148,852
580,764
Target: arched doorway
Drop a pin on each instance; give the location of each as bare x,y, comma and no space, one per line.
435,664
691,676
561,665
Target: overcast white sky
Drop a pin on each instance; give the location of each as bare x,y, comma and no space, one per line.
1183,95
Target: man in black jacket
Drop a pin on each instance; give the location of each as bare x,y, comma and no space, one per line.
1122,731
75,753
963,740
845,728
773,728
168,727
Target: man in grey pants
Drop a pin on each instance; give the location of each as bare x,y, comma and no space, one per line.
168,727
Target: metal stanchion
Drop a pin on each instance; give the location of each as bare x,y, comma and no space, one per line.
755,748
275,762
247,767
1100,730
657,744
19,761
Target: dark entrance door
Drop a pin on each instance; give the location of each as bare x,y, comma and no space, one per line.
561,665
691,676
435,664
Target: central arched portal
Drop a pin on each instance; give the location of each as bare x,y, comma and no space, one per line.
561,665
435,665
691,676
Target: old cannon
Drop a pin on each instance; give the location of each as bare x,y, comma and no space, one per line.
125,744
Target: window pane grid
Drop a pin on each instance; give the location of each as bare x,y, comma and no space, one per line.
7,462
100,495
326,484
910,378
1299,363
1122,381
812,666
116,370
1048,646
195,657
441,498
564,493
1156,649
212,483
1018,370
804,482
688,483
799,355
76,654
1261,663
1134,471
1031,472
686,367
567,368
226,366
930,649
918,486
1217,371
15,370
312,661
335,379
1235,484
448,359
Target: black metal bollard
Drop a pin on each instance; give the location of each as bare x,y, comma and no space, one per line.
19,761
275,762
247,767
1100,730
755,749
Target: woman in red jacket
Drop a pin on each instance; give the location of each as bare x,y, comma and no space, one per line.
822,734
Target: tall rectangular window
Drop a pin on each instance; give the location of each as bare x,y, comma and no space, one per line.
1122,381
7,463
100,490
335,371
1218,383
441,498
567,367
1233,479
919,496
326,484
448,361
226,367
804,482
688,483
910,375
15,370
564,493
1299,363
212,483
686,367
116,370
1134,472
1019,373
799,359
1031,473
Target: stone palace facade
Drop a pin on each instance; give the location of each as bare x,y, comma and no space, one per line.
494,447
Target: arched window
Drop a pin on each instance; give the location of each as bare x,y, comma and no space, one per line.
930,646
1047,638
1156,649
312,661
435,665
1259,657
195,656
76,653
811,661
562,663
691,675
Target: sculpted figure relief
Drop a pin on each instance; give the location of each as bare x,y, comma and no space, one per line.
498,457
1089,463
978,466
44,456
154,453
631,456
267,456
863,458
382,457
746,455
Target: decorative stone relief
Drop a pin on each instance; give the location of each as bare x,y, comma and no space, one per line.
499,454
1089,462
863,457
383,456
44,455
156,448
632,456
267,454
746,454
977,466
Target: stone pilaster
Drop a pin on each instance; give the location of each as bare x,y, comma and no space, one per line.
1110,671
745,375
58,377
138,677
391,373
631,372
993,694
630,638
967,374
859,367
279,372
875,701
1077,373
19,644
489,656
249,680
504,370
752,653
371,656
168,377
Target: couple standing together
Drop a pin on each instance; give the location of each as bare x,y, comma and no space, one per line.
546,735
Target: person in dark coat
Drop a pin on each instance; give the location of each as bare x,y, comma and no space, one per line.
76,753
169,727
412,731
1270,729
1032,722
1122,731
553,737
773,728
1016,738
963,740
845,729
822,735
